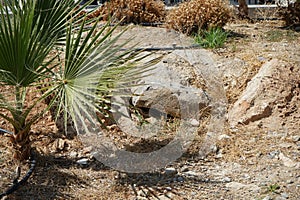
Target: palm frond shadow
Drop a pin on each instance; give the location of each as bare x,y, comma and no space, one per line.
47,180
157,185
147,145
51,190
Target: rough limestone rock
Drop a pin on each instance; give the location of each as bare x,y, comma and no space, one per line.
240,186
172,88
262,94
169,91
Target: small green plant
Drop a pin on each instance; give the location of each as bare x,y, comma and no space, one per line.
274,35
211,38
273,188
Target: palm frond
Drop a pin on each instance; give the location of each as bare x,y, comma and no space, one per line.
95,63
94,60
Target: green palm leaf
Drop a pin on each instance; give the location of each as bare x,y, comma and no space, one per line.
48,45
29,31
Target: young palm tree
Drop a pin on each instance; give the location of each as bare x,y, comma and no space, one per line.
48,47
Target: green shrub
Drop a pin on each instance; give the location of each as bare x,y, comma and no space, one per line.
191,16
134,11
212,38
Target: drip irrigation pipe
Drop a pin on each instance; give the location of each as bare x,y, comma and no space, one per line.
164,48
16,183
5,131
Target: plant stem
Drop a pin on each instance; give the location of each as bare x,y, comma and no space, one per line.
18,117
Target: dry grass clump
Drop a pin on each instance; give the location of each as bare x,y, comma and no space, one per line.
134,11
193,15
291,13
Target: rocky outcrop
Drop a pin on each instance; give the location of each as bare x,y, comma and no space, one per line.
264,93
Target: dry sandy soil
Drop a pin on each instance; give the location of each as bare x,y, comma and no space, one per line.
255,161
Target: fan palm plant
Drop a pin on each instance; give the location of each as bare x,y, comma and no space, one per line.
48,48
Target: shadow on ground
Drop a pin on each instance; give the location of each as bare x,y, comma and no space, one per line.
54,177
49,180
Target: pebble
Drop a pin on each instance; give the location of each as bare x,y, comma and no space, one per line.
194,122
193,193
219,155
296,138
247,176
285,44
287,161
279,198
73,154
290,181
83,161
191,173
267,198
260,58
223,136
227,179
170,170
285,195
168,188
240,186
180,179
273,154
141,198
285,145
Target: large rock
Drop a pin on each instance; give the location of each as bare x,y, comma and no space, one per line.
172,88
168,90
258,99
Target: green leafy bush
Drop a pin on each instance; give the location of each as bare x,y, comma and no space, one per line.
191,16
134,11
212,38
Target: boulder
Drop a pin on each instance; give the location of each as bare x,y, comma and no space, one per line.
255,102
168,90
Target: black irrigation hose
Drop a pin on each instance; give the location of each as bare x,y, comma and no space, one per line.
16,184
165,48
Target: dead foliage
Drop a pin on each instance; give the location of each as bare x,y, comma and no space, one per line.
291,13
132,11
193,15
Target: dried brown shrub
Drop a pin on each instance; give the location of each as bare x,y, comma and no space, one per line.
291,13
134,11
193,15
